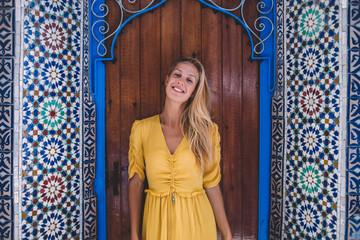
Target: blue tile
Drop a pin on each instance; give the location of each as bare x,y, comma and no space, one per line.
89,112
353,180
353,134
354,9
6,208
353,229
7,20
89,211
6,119
6,136
353,156
6,229
7,47
354,86
6,92
277,107
89,144
354,110
354,61
5,186
353,37
6,163
88,179
353,206
7,3
6,69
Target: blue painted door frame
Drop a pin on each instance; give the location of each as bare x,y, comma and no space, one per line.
267,82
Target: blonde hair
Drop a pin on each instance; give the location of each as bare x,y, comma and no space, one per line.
195,121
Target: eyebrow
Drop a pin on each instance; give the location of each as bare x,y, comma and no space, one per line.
182,71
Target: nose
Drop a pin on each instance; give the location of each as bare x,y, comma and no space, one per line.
180,81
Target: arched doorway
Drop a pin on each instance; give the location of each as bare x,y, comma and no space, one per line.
134,90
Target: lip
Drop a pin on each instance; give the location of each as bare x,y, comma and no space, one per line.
177,89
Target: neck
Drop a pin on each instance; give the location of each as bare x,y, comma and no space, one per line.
172,114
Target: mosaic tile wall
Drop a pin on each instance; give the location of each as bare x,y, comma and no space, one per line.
7,58
51,166
312,117
353,142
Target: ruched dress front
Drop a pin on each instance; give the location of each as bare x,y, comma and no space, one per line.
176,205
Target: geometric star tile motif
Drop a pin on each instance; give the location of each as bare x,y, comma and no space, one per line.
312,110
353,119
51,177
51,205
59,8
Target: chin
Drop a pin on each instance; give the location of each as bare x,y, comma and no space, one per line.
178,100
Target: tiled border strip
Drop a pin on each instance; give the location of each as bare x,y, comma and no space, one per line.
353,116
89,136
311,200
277,133
7,59
51,124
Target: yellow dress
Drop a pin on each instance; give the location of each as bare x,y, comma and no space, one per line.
176,205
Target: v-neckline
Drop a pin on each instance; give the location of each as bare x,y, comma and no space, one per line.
164,139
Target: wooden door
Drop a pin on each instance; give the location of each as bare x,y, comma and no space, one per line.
134,90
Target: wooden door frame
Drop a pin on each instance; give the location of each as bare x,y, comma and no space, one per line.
267,84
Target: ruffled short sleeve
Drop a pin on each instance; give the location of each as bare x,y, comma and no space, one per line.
212,175
136,157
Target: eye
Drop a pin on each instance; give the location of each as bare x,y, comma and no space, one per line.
189,80
177,75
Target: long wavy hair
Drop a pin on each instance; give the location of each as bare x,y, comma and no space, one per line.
195,121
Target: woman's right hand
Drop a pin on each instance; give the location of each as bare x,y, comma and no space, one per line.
136,237
136,190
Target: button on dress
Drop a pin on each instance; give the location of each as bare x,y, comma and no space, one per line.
176,205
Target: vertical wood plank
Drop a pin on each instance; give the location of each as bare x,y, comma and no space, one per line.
250,172
113,143
190,29
170,39
113,128
250,106
150,63
130,108
233,180
211,56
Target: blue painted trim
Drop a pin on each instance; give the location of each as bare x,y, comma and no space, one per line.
267,86
99,99
266,76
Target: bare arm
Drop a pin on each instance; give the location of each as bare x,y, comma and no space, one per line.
217,203
136,188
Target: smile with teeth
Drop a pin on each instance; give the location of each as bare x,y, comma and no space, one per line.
178,90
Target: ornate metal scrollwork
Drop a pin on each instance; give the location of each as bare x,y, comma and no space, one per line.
263,25
100,10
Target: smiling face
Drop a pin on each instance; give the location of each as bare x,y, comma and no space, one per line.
181,82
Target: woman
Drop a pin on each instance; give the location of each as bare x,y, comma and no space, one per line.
179,150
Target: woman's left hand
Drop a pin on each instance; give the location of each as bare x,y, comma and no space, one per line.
217,204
